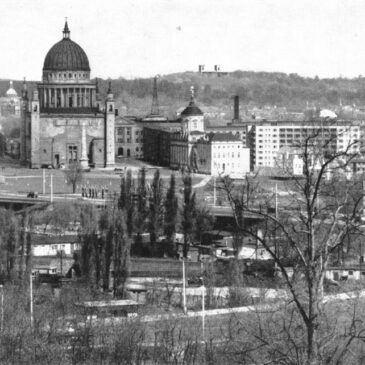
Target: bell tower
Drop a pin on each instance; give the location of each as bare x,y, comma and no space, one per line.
109,128
35,131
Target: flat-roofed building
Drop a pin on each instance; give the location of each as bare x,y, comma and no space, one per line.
267,138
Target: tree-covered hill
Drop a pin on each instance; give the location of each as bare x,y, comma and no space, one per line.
215,93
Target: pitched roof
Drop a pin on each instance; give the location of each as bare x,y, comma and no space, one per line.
46,239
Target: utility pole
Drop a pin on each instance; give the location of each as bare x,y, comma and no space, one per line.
31,299
44,183
276,217
51,188
203,302
184,287
214,191
2,307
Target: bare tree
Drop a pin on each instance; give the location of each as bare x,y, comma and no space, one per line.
318,215
74,175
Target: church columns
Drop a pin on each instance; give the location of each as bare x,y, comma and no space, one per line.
62,99
92,98
49,104
59,96
74,96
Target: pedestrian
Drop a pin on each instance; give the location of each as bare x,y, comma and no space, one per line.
89,191
82,191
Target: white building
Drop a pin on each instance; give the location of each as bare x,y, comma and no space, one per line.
229,156
53,245
267,138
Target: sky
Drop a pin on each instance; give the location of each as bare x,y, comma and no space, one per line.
143,38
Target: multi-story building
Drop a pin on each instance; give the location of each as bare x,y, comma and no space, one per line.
128,138
157,140
65,121
10,104
267,138
221,154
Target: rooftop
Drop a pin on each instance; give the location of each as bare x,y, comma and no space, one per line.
225,137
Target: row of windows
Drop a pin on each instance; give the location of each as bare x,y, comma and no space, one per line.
64,76
120,131
224,165
218,155
305,130
229,146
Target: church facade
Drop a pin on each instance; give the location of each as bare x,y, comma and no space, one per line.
65,122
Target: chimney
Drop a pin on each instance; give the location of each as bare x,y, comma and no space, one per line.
236,110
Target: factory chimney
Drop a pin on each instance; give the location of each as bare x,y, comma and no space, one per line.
236,109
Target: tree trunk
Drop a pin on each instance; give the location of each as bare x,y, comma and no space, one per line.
315,291
312,346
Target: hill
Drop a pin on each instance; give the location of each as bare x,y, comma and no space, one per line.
215,93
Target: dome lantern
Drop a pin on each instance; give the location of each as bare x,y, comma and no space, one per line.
66,31
192,108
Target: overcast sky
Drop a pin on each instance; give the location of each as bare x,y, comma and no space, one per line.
142,38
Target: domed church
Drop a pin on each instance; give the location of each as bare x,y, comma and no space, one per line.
65,122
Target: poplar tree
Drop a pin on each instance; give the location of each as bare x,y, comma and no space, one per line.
188,212
170,215
141,210
156,207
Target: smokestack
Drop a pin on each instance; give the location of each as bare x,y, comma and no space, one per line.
236,107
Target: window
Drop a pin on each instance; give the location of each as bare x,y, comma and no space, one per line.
72,154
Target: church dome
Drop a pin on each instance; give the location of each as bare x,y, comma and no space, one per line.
66,55
11,91
191,109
